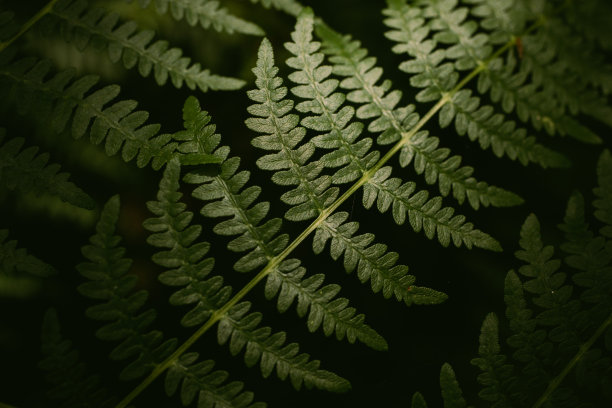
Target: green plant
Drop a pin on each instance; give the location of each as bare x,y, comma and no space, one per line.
528,63
559,318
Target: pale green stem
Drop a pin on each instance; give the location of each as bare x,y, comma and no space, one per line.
324,214
554,384
43,12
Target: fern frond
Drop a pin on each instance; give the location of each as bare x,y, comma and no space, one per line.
287,280
502,19
555,59
379,105
529,342
589,255
207,13
423,213
324,309
418,401
23,169
84,25
226,195
70,383
18,259
292,7
491,130
71,103
372,262
110,282
553,293
496,376
272,117
199,382
411,30
544,112
434,163
451,392
173,232
240,328
352,157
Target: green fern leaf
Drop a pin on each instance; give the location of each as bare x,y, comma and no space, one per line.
490,129
287,280
83,25
434,163
174,233
451,392
273,118
528,341
282,134
18,259
372,262
410,29
71,103
197,379
24,170
496,375
352,156
240,328
206,13
109,281
70,383
418,401
544,55
423,213
188,267
380,106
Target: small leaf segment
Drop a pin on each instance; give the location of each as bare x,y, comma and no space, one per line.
23,169
14,260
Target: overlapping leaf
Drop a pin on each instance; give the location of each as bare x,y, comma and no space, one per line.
69,102
84,25
110,283
173,233
431,68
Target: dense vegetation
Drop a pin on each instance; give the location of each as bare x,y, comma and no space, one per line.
176,175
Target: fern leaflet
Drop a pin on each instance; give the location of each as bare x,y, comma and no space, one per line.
84,25
205,12
28,172
18,259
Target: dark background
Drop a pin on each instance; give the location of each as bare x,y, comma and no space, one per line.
421,338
